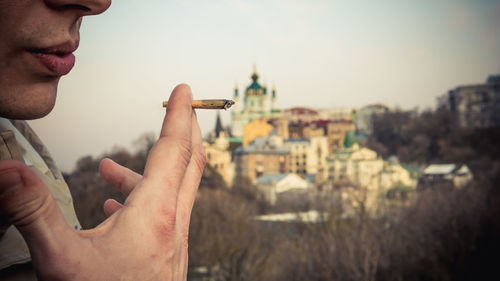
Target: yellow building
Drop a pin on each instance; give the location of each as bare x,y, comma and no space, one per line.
365,179
395,175
356,165
255,129
308,156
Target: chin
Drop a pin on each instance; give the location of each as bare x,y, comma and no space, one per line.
29,102
38,111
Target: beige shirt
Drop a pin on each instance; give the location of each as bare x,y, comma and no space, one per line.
19,142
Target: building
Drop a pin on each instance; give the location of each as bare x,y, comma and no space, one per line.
300,123
305,123
257,104
477,106
262,156
314,129
444,176
336,132
308,156
301,115
355,165
396,177
363,119
298,155
282,187
256,129
281,126
337,114
364,180
217,152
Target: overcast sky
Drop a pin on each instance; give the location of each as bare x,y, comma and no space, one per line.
317,53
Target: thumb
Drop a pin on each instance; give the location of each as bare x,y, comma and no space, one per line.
26,203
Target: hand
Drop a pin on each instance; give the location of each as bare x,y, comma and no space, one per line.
145,239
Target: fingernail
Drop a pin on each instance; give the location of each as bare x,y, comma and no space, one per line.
9,181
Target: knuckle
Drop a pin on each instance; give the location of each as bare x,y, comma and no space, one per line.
25,211
183,148
165,223
27,202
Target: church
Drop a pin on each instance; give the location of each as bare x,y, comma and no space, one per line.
256,104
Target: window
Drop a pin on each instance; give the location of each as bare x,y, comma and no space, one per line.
258,173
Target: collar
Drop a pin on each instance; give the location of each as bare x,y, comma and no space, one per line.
31,157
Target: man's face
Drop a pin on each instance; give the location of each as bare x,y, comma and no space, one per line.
37,39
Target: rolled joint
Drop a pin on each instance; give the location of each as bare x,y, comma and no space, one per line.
209,104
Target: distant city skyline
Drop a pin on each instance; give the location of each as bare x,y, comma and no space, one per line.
316,53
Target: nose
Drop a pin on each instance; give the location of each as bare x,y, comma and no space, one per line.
83,7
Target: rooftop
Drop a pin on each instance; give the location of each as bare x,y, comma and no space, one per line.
439,169
297,140
262,146
270,179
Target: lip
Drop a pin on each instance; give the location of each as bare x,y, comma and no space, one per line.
58,59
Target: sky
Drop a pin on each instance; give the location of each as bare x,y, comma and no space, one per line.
317,53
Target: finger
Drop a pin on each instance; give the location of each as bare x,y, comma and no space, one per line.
169,157
27,204
118,176
111,206
187,194
194,171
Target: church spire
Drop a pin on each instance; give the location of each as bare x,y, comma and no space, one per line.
254,76
235,90
273,98
218,126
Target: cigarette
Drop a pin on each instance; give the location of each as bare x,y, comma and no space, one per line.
208,104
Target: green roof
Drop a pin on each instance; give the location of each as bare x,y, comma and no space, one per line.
254,86
350,139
